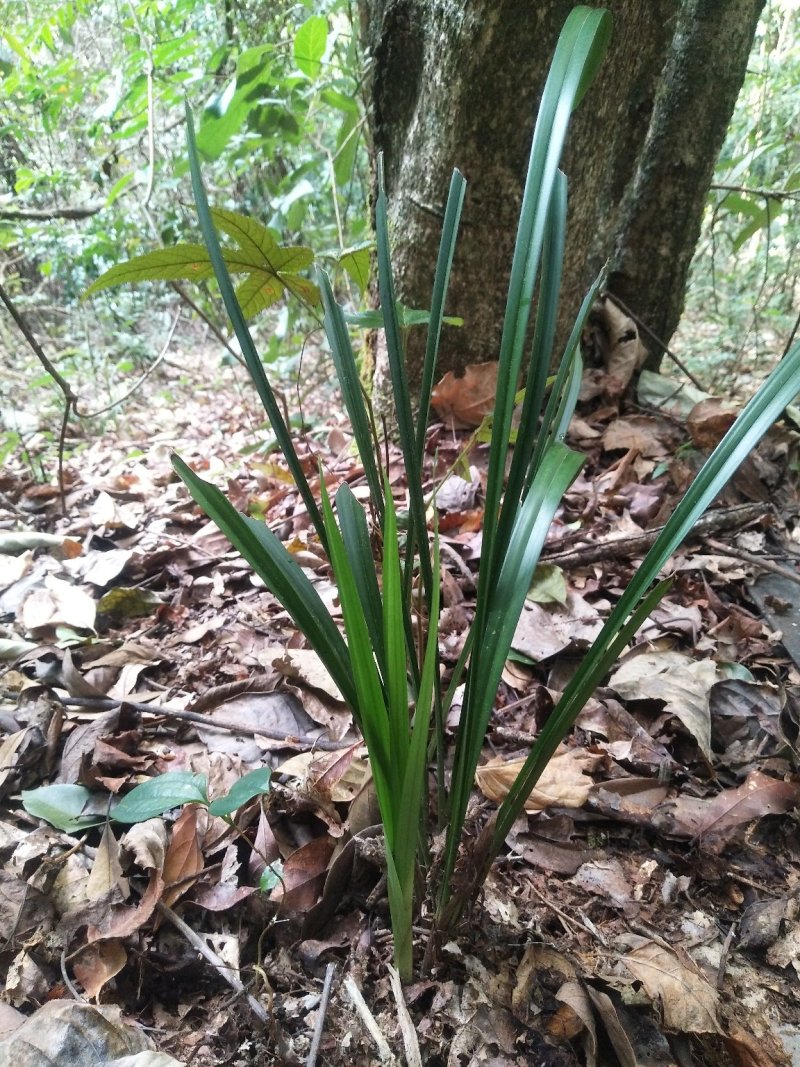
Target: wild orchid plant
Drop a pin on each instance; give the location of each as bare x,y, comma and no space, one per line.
391,684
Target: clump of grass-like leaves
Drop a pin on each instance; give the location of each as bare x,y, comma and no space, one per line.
390,683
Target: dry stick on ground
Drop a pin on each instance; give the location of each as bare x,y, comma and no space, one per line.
70,399
368,1019
407,1029
291,740
628,547
225,972
654,337
47,214
752,558
322,1011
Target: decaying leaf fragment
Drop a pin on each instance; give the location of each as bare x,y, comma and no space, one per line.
681,682
466,401
714,819
621,348
687,1000
563,783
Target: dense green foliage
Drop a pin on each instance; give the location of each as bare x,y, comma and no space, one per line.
278,136
742,300
386,677
91,119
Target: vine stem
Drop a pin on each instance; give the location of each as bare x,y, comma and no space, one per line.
70,400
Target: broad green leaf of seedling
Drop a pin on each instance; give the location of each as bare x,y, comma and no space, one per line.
241,792
271,269
62,806
160,794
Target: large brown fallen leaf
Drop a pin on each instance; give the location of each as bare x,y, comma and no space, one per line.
184,858
57,603
612,1024
542,633
617,337
466,401
647,434
105,878
124,921
574,1018
304,876
277,714
714,819
709,421
765,1050
687,999
304,665
23,909
681,682
563,783
98,964
605,878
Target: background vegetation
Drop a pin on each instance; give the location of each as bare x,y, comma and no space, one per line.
743,294
91,125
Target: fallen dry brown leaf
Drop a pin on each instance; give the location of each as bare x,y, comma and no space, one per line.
685,997
713,820
98,964
184,859
563,783
468,400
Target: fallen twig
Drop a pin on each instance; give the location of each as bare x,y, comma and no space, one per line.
292,741
46,214
407,1028
752,558
322,1011
629,547
225,972
67,980
368,1020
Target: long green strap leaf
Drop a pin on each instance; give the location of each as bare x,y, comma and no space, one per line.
352,392
366,680
281,575
417,527
558,469
638,600
441,281
580,49
395,640
564,393
254,364
401,865
355,535
528,431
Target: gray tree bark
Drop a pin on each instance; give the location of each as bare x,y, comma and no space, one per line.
457,82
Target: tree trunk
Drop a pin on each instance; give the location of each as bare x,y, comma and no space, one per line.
457,82
661,217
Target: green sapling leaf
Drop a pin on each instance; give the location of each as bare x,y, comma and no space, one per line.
250,785
271,876
157,795
62,806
